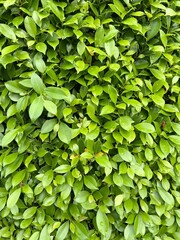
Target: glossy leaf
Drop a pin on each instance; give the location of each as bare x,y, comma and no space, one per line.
36,108
102,222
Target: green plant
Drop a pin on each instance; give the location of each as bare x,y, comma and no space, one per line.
89,119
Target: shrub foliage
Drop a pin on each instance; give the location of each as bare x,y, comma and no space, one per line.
89,119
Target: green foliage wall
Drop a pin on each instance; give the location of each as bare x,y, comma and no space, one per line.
89,119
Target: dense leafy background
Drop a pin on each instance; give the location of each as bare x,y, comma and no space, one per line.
89,119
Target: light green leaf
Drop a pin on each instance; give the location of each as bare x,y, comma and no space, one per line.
9,49
39,62
176,127
166,196
93,70
30,26
36,108
29,213
175,139
41,47
145,127
57,11
90,182
64,133
48,125
158,74
62,231
47,178
81,231
158,100
112,93
125,122
13,198
57,93
45,233
9,137
50,107
125,154
37,83
8,159
81,47
99,37
163,38
18,178
8,3
130,21
7,31
102,222
164,146
107,110
118,200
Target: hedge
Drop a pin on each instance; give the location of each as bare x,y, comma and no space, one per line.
89,119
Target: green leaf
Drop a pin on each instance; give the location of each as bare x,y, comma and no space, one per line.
47,178
9,137
99,37
62,231
125,122
102,222
64,133
125,154
176,127
129,232
9,49
13,198
158,74
145,127
50,107
18,178
112,93
8,3
166,196
164,146
39,62
158,100
10,158
139,227
57,93
118,200
93,70
7,32
81,47
29,213
36,108
119,6
45,233
34,236
57,11
90,182
163,38
80,231
154,28
130,21
175,139
48,125
107,110
41,47
30,26
103,161
37,83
